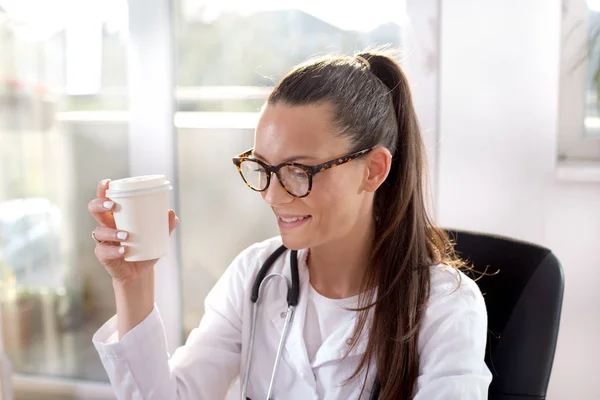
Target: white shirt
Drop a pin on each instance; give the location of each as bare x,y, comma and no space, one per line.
451,343
324,316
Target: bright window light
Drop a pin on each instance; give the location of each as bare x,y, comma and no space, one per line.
361,16
594,5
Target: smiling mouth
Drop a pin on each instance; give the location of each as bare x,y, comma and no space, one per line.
292,219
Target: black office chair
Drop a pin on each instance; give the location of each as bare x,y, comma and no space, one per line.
524,300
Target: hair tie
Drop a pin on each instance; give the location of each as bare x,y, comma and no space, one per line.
363,61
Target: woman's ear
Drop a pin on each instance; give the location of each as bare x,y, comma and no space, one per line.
378,163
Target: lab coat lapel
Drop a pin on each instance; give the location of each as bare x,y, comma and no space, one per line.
295,354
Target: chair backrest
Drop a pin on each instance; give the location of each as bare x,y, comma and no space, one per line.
524,300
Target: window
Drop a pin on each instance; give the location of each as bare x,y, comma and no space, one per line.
60,72
229,56
579,108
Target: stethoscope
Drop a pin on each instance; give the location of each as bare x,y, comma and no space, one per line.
293,293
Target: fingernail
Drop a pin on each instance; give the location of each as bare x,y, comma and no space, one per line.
108,204
122,250
122,235
104,183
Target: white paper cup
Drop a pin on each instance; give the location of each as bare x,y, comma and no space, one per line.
141,209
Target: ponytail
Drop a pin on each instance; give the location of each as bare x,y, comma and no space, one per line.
402,252
408,152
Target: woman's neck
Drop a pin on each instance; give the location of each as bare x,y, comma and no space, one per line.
337,268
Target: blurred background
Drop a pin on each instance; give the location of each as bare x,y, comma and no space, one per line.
506,92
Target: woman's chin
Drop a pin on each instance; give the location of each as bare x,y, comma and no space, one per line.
295,235
293,242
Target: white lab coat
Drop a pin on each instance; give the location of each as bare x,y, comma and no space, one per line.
451,344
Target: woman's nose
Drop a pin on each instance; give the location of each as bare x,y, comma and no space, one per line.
276,194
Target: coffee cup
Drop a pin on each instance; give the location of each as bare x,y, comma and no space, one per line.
141,209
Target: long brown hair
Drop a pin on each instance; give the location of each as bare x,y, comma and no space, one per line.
372,106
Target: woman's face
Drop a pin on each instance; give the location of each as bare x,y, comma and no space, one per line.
338,202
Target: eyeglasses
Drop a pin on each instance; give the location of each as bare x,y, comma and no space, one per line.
295,178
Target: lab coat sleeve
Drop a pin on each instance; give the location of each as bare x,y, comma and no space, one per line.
139,366
452,341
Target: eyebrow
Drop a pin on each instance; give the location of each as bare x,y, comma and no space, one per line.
289,159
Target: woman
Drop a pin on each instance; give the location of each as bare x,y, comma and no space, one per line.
338,156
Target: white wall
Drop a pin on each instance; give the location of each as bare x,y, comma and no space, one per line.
421,39
496,165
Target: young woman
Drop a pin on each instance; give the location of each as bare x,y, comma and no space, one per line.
383,309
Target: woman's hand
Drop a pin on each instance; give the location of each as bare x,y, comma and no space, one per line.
109,252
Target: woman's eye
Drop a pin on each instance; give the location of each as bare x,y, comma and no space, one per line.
299,174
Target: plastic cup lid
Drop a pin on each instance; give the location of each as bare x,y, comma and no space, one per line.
137,185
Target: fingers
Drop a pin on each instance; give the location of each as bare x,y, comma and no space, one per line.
101,209
110,235
107,253
101,189
173,221
110,250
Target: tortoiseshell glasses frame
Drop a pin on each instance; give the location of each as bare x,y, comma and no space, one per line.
302,172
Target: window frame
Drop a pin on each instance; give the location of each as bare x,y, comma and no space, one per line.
151,131
574,143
